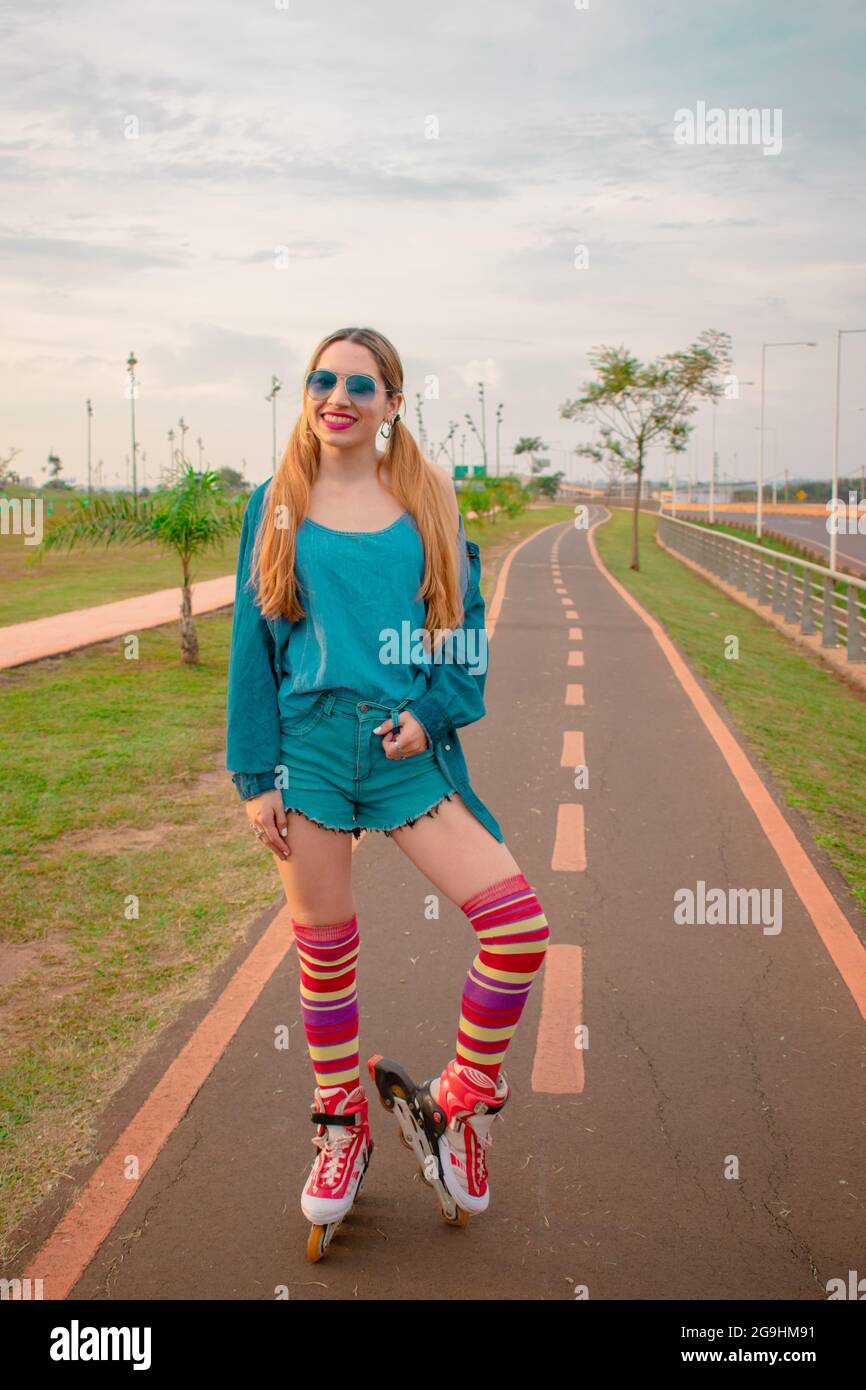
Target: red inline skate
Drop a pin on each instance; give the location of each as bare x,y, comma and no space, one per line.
446,1122
345,1149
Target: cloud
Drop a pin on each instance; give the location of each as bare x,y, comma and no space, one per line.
34,255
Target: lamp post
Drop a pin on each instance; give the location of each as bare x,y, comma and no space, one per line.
169,478
760,512
483,423
89,474
714,460
131,364
183,427
498,423
835,483
276,386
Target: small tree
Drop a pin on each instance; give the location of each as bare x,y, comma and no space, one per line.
636,405
548,486
233,479
531,444
190,518
7,474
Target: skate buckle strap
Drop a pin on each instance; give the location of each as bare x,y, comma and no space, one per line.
324,1117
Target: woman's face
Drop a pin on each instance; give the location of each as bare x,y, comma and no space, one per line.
341,420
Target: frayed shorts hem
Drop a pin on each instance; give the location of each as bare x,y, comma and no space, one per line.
384,829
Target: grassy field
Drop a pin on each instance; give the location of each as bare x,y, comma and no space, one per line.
802,719
112,784
82,578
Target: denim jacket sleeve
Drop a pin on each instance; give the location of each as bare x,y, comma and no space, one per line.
253,741
455,691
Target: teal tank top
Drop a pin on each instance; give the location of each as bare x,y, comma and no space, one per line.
364,618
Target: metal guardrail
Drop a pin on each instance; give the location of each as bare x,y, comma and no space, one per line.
809,598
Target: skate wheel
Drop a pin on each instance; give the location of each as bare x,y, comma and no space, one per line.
315,1243
460,1219
403,1140
397,1091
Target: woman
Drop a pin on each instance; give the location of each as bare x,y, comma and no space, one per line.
343,713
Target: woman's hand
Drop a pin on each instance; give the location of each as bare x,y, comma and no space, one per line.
270,823
410,739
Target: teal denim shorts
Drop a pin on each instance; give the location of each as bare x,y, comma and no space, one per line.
336,772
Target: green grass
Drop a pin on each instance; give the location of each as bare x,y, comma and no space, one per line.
83,578
780,546
112,785
97,745
804,721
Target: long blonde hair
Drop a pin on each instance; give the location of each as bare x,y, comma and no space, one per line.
414,482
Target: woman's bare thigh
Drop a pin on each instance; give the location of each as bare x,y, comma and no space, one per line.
455,851
317,877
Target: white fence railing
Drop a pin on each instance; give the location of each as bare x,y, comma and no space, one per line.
800,591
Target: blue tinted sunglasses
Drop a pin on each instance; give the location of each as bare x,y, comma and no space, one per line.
359,386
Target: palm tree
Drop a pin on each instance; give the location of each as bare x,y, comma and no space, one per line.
193,516
531,444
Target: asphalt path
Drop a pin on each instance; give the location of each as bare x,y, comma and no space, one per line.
708,1142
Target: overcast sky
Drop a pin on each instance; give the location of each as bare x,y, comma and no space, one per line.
308,127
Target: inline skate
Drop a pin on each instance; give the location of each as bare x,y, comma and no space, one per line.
446,1123
345,1149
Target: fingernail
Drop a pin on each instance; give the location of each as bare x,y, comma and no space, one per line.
285,830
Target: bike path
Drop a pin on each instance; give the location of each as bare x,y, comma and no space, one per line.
708,1046
82,627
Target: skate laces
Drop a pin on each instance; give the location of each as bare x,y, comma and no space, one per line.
481,1127
483,1140
335,1146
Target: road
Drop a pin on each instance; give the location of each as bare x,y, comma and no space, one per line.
707,1143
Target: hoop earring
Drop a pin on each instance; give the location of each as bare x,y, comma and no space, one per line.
387,427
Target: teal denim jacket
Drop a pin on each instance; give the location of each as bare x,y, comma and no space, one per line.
453,699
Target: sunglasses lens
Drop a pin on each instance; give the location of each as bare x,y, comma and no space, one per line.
321,383
361,388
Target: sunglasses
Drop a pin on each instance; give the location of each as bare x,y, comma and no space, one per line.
359,387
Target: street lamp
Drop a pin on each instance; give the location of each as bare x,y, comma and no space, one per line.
835,483
131,364
276,386
714,460
498,423
183,427
760,512
89,475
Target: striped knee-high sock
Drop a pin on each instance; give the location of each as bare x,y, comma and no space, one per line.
329,999
513,935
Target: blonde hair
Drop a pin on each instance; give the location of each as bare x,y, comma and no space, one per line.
416,482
